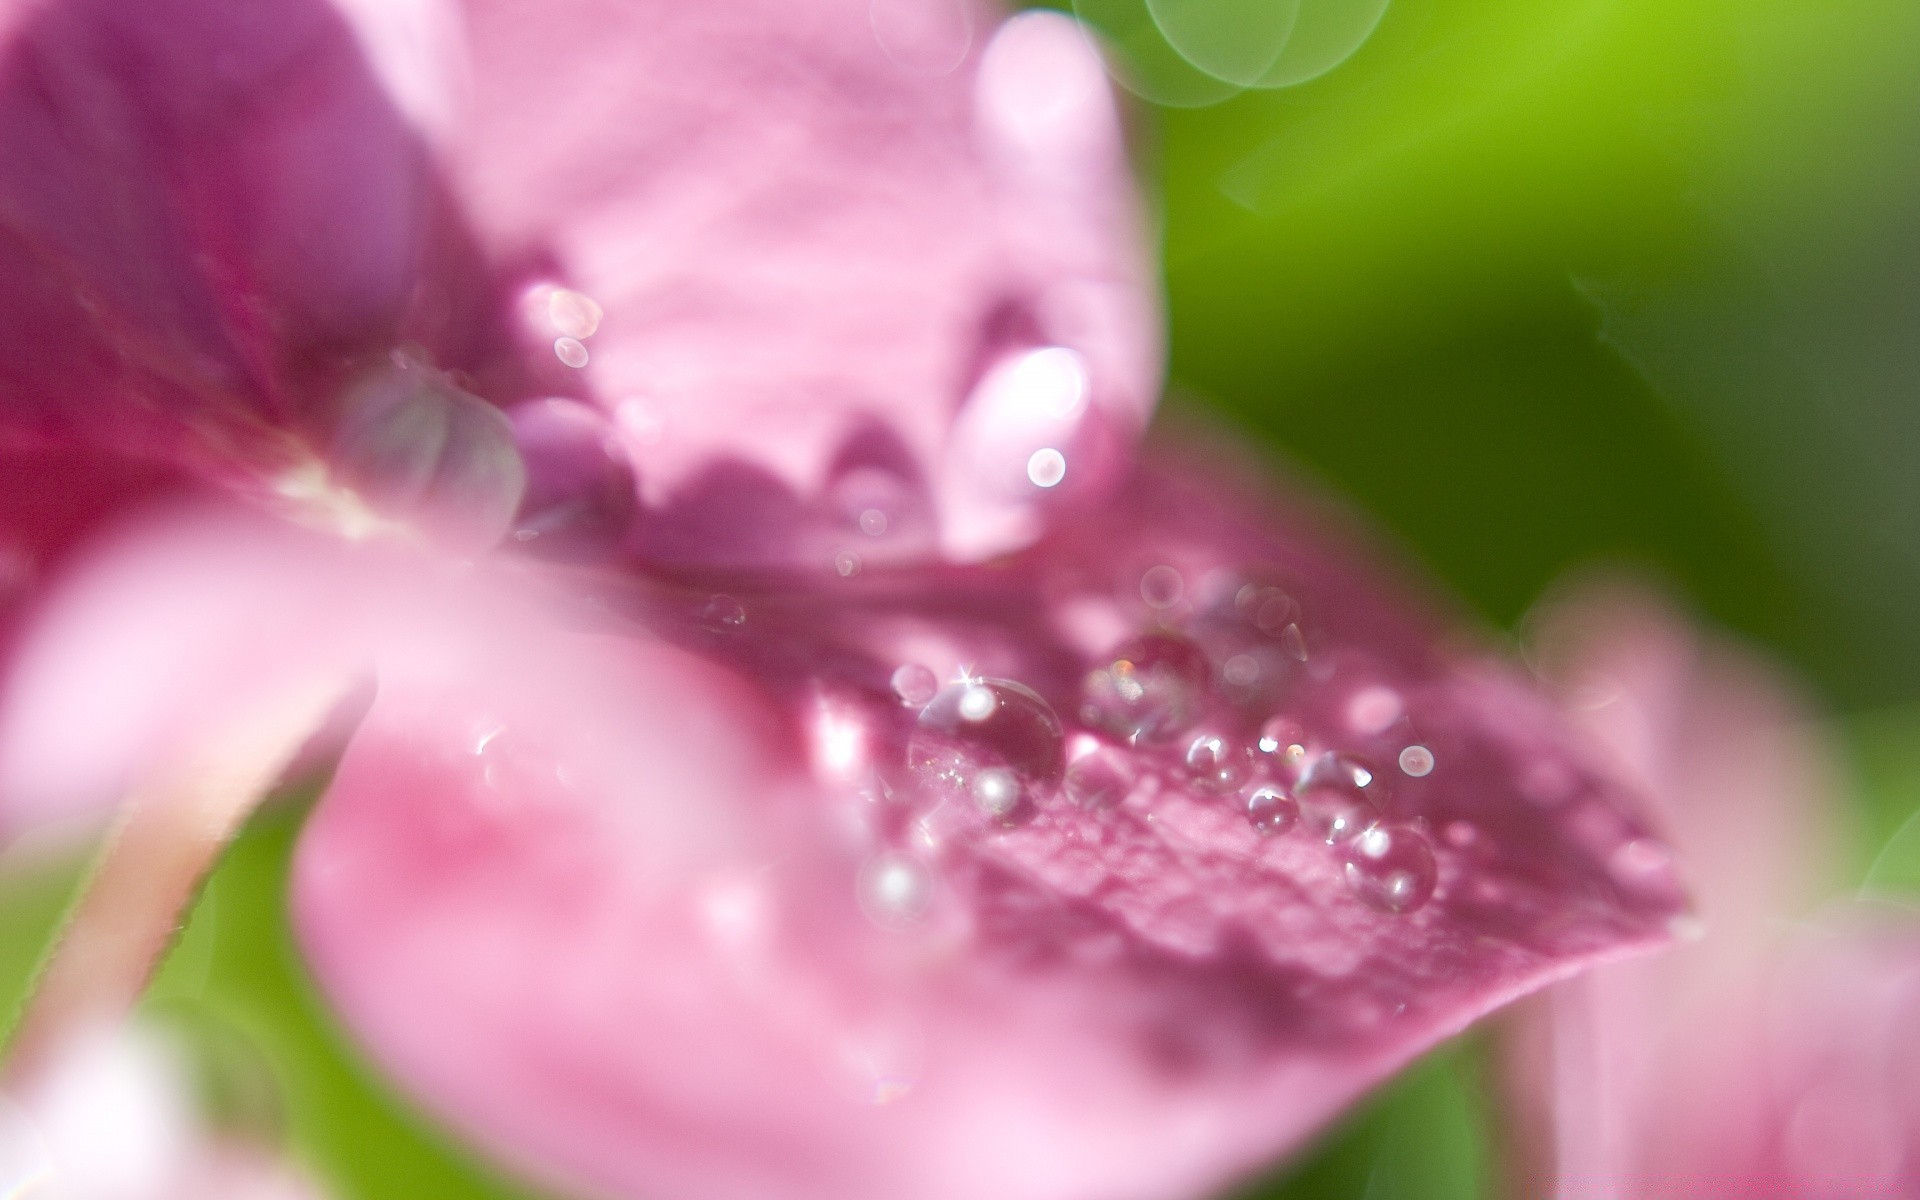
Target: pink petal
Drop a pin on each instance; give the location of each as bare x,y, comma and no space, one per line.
1733,1065
206,208
594,919
799,250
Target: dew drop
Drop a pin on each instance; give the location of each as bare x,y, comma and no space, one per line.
1372,710
846,564
1098,780
1270,810
1151,689
1417,761
571,351
894,890
573,314
914,684
580,496
1340,794
1268,609
1294,642
996,790
1046,467
1217,763
1162,587
873,522
723,612
1284,740
1643,863
978,727
1242,670
1391,867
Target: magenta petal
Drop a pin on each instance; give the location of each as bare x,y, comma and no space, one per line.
203,206
798,249
984,947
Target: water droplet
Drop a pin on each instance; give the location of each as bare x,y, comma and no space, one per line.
1046,467
1294,642
1151,689
1643,863
1268,609
1340,793
416,448
914,684
573,314
1284,740
1242,670
1162,587
580,496
1391,867
1373,709
894,890
996,790
873,522
1270,810
1217,763
1098,780
1417,761
846,564
1460,834
979,726
723,612
570,351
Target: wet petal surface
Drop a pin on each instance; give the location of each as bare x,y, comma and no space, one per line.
989,922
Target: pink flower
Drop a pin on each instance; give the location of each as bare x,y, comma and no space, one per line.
854,777
1777,1054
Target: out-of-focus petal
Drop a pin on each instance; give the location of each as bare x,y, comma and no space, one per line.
1769,1057
1030,935
177,631
206,209
800,253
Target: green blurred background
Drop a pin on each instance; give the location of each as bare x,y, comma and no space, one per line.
1536,285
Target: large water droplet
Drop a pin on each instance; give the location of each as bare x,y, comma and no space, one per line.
419,449
1270,810
722,613
580,497
1151,690
1391,867
1341,794
1100,779
1284,741
990,739
1217,763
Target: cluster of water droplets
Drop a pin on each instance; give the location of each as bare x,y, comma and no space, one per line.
1211,699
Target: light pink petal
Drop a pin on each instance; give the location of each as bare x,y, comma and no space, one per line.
207,210
959,951
171,633
1657,1074
797,251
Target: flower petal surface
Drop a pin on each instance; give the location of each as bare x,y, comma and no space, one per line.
820,262
1110,870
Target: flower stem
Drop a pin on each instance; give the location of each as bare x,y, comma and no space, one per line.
170,834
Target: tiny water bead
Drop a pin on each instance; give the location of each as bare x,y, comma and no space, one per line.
1217,763
1098,780
894,890
1151,690
1046,467
1161,586
1271,810
993,739
1294,642
1416,761
571,351
913,684
1242,670
723,613
1391,867
1284,740
1269,609
846,564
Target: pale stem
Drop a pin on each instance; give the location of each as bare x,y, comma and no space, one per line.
169,836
